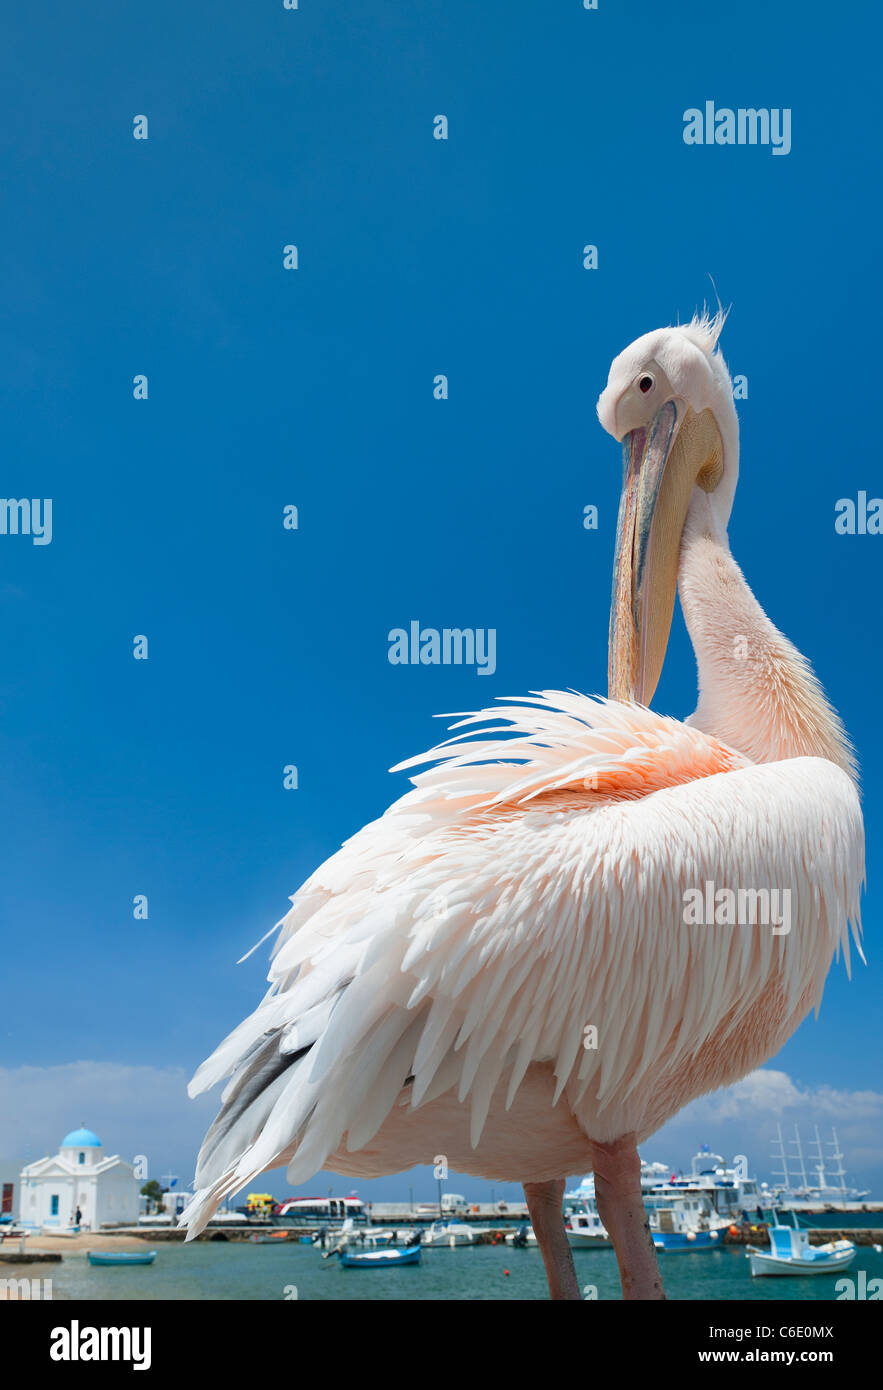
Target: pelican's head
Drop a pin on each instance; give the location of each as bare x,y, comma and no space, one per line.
669,400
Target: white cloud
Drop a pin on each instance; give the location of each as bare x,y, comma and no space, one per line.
146,1110
132,1109
743,1118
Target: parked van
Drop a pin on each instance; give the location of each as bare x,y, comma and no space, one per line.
452,1204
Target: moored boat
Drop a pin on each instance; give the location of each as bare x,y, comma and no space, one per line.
585,1230
791,1253
384,1258
447,1234
828,1193
584,1227
121,1257
522,1238
684,1222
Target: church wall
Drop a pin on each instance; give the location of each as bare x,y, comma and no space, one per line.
118,1197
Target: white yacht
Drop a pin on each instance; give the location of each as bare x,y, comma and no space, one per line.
447,1234
729,1188
585,1230
584,1227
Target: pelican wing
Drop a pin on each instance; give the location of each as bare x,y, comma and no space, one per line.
511,902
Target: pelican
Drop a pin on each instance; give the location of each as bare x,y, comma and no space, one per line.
500,970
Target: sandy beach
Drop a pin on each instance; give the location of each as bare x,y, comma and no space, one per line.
62,1245
72,1245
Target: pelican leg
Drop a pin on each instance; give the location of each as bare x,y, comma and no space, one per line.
545,1201
617,1169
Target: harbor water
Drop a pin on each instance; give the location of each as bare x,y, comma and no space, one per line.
289,1272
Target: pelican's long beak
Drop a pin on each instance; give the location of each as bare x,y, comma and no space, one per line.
661,463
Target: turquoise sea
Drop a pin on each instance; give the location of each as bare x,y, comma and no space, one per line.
241,1270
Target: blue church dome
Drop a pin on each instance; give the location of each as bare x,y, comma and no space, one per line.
81,1139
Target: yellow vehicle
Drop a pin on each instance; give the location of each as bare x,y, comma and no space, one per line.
260,1204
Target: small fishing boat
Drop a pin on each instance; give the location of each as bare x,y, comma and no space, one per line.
271,1237
443,1235
522,1238
684,1222
585,1229
350,1235
791,1253
121,1257
378,1259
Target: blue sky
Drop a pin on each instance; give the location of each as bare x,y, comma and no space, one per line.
314,388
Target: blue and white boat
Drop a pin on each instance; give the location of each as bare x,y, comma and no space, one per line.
729,1188
384,1258
686,1211
684,1221
121,1257
682,1213
791,1253
692,1211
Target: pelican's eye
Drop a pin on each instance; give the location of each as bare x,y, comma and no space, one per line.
645,384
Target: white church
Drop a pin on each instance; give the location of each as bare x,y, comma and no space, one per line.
106,1190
